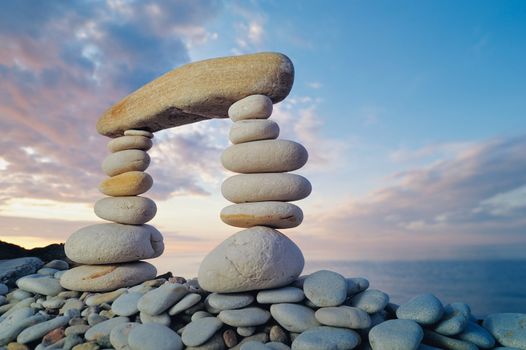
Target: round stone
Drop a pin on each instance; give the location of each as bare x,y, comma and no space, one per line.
370,301
477,335
247,317
326,338
130,142
39,284
356,285
266,156
132,210
271,214
280,295
131,183
103,278
114,243
229,301
424,309
119,335
508,328
126,304
253,130
343,316
104,328
325,288
199,331
453,322
252,259
443,342
396,334
134,132
153,336
161,299
124,161
265,187
251,107
294,317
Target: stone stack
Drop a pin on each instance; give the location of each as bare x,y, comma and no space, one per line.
259,257
111,251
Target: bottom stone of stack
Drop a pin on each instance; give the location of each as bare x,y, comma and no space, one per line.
102,278
255,258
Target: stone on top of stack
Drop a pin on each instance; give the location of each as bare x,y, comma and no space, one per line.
112,251
259,257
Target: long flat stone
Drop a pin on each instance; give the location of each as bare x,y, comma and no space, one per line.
199,91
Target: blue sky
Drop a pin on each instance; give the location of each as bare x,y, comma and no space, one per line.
414,115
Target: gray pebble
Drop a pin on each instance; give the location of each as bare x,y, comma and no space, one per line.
250,316
229,301
280,295
325,288
370,301
424,309
294,317
154,337
187,302
126,304
396,334
326,338
199,331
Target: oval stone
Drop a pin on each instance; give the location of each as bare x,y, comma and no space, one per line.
124,161
135,132
271,214
126,304
478,335
370,301
247,317
119,335
266,156
39,284
154,336
396,334
114,243
252,259
199,331
508,328
251,107
325,288
130,142
229,301
280,295
104,278
343,316
131,183
161,299
265,187
326,338
104,328
453,322
253,130
424,309
131,210
294,317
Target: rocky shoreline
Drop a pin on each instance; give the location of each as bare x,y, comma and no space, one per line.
323,310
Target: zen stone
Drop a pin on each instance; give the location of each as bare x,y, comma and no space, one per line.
280,295
130,142
124,161
104,328
326,338
371,300
477,335
343,316
229,301
424,309
294,317
271,214
199,331
131,183
114,243
187,302
325,288
154,337
135,132
131,210
266,156
508,328
198,91
103,278
453,322
253,130
396,335
251,107
119,335
265,187
247,317
255,258
161,299
40,284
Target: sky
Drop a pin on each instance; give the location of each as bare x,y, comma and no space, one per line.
413,113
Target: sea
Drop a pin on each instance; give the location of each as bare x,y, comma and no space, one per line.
488,286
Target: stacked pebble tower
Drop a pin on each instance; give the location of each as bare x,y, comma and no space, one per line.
114,249
261,193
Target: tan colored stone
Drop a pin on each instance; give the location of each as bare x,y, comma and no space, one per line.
105,278
198,91
130,142
253,130
266,156
17,346
124,161
251,107
270,214
131,183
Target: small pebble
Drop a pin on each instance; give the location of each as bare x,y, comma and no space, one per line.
370,300
294,317
396,334
229,301
230,338
325,288
326,338
280,295
199,331
343,316
154,337
424,309
250,316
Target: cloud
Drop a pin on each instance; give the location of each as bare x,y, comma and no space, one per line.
62,65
